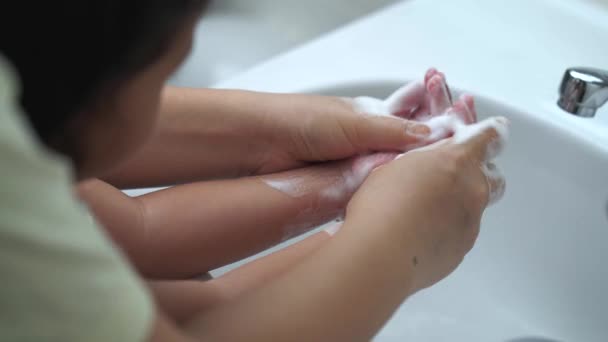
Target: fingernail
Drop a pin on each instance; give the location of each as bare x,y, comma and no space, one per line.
418,130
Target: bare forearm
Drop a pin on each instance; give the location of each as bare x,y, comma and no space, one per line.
190,229
201,134
208,134
183,300
197,227
343,292
256,273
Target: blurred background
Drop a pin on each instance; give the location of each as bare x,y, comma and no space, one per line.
234,35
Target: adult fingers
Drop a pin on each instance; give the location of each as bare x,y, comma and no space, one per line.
496,182
483,140
380,133
438,94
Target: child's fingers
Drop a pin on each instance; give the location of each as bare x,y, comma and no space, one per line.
406,100
439,97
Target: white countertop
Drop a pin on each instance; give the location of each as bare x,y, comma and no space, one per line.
514,52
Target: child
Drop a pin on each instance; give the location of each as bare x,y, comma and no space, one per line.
252,170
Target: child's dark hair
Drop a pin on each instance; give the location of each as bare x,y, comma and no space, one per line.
68,51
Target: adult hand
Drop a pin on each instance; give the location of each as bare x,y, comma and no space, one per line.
209,133
437,208
321,128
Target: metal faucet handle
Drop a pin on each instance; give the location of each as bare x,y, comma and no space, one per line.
583,91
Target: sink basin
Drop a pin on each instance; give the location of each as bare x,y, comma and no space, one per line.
539,270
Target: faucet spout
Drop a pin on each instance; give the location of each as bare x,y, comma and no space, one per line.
583,91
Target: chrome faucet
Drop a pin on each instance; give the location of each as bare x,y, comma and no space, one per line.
583,91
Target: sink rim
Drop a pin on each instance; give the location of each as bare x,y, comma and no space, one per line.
598,144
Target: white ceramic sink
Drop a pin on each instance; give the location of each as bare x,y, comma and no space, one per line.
539,270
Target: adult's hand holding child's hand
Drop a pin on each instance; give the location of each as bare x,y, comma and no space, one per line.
435,198
321,128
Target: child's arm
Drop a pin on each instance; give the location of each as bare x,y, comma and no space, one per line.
190,229
183,300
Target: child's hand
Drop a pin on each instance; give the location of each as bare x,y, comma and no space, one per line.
415,101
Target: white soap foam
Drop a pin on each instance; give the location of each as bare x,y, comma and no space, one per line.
392,104
338,190
294,186
351,179
495,178
326,193
370,106
462,133
496,182
441,126
444,125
